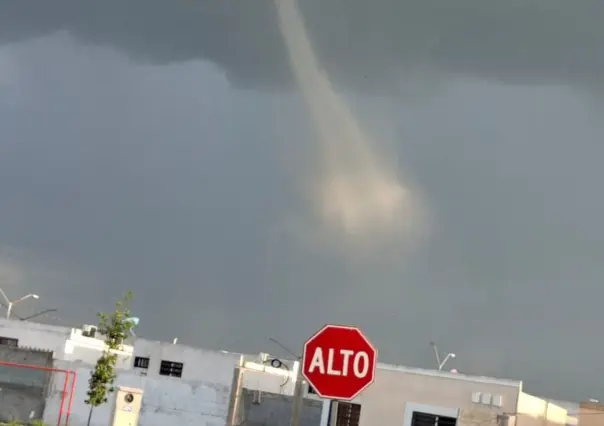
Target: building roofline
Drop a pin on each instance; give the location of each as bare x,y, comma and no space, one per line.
449,375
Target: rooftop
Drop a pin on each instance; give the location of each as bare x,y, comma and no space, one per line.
450,375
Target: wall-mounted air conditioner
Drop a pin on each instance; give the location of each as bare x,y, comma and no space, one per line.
89,330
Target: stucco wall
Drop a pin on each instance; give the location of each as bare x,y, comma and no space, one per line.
166,401
388,400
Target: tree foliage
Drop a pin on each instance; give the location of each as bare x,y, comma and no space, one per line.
115,327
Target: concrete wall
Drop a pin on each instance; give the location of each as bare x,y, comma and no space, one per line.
166,400
534,411
270,409
397,392
23,390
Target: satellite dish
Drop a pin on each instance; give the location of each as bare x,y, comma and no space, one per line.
133,320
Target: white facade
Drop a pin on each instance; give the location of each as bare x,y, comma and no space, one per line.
166,401
69,344
84,349
197,363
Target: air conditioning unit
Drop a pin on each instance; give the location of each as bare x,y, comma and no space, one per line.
89,330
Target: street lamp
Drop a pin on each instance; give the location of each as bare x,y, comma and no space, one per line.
9,304
440,363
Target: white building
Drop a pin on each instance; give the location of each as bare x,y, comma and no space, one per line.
182,385
146,357
190,386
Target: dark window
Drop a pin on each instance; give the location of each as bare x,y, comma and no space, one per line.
311,390
141,362
169,368
427,419
9,341
348,414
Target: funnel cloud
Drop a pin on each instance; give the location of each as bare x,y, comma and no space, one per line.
355,192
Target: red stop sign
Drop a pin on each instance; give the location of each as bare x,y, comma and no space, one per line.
339,362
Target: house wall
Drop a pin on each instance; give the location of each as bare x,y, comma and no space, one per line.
264,378
572,410
166,400
171,400
397,392
591,414
197,362
69,344
87,350
534,411
34,335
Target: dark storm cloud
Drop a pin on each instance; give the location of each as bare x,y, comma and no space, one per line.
118,173
366,43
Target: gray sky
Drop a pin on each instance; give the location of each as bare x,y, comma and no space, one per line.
156,149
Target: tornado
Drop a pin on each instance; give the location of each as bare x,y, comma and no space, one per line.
355,193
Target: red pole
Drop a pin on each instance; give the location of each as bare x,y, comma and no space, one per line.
72,391
65,382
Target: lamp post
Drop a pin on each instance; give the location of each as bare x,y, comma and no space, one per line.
9,304
440,363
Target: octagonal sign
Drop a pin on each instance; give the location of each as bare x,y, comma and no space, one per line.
339,362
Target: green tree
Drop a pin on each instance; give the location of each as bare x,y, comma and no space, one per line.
115,327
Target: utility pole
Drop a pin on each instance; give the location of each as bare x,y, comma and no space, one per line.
298,399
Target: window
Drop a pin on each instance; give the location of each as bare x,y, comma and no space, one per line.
426,419
311,390
141,362
348,414
169,368
9,341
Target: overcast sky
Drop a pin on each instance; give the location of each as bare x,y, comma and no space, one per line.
151,148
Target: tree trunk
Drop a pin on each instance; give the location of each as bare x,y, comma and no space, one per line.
90,415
